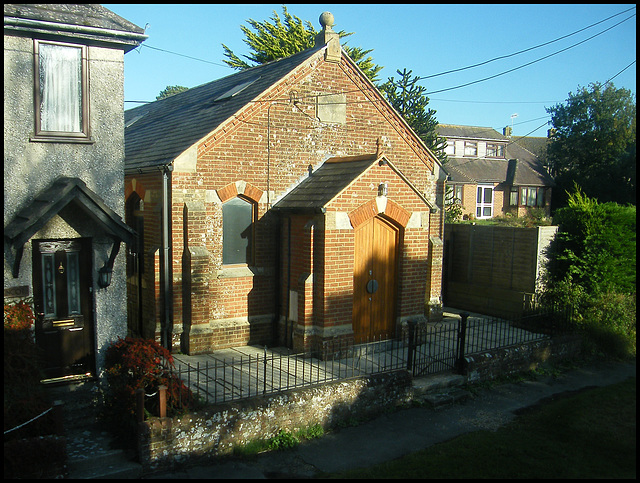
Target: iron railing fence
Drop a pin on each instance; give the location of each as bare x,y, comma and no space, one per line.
215,380
421,349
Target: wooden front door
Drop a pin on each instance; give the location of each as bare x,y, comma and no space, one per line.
375,279
62,299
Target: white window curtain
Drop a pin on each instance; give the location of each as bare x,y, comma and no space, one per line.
60,88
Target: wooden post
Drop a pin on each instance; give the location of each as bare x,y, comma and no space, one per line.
140,405
162,406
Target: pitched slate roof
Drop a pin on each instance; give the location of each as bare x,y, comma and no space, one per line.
325,183
470,132
314,192
519,167
59,20
53,199
61,193
158,132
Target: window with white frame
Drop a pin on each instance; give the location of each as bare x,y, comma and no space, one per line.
470,148
61,97
484,201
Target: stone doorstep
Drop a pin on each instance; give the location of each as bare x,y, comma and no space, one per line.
440,390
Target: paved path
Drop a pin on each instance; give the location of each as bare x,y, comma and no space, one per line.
394,435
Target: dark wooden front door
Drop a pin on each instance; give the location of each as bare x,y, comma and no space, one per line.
375,279
62,299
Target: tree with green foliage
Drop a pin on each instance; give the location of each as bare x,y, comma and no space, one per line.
594,144
170,91
592,268
281,38
411,102
596,245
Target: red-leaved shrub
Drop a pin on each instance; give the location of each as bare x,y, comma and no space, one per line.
134,363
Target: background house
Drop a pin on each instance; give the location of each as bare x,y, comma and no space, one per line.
64,177
285,203
494,175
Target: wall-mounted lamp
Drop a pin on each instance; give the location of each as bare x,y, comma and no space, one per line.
104,276
383,189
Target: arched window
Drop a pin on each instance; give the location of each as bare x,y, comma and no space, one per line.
237,231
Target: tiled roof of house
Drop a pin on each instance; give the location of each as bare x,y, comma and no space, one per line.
158,132
526,170
59,20
469,132
48,203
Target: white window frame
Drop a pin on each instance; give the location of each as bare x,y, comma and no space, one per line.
484,203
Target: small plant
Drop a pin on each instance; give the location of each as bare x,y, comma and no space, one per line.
284,440
132,364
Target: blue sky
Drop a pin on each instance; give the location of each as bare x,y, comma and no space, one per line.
424,38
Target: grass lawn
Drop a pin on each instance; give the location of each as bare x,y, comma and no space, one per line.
589,434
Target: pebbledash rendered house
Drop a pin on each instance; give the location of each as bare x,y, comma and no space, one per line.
285,204
64,178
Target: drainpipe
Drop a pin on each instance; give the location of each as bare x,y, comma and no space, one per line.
166,321
287,332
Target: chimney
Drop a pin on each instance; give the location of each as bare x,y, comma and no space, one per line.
506,131
329,38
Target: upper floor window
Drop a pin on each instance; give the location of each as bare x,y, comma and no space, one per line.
61,97
237,231
495,150
450,148
470,148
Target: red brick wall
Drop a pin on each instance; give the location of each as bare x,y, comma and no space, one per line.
148,187
270,146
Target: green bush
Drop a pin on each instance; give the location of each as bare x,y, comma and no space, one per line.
592,268
595,246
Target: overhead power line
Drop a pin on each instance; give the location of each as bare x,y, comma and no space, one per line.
524,50
530,63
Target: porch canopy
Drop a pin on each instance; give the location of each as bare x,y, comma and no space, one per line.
50,202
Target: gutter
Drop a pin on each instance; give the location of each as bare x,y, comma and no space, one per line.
55,28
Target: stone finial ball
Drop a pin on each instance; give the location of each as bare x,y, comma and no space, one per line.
326,19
